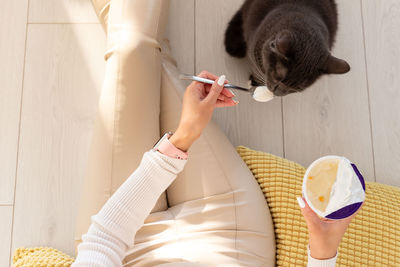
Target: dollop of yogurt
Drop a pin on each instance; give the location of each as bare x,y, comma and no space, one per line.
262,94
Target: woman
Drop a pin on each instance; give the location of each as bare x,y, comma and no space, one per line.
114,227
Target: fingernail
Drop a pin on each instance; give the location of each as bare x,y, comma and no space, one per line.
301,202
221,80
232,92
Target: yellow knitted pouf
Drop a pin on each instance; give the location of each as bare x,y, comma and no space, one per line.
41,257
372,239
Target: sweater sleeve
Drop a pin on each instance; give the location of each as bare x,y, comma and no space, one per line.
113,229
320,263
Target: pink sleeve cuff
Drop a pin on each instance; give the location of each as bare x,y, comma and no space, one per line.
167,148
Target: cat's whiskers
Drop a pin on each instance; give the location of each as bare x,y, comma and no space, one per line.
260,77
257,71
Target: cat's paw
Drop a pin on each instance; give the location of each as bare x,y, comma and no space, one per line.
235,44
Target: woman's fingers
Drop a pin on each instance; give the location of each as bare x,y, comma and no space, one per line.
207,88
215,90
224,97
207,75
225,92
309,215
221,97
229,102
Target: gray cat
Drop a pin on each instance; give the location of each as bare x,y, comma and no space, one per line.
288,42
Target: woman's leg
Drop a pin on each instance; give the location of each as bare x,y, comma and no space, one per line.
102,8
217,215
128,118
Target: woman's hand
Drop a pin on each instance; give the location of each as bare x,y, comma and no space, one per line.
324,235
199,102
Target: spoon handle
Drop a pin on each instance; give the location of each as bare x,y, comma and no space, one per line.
204,80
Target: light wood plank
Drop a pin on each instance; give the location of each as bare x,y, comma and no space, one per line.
5,233
13,15
332,117
253,124
180,33
63,75
382,41
61,11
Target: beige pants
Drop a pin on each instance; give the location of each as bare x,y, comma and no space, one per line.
214,213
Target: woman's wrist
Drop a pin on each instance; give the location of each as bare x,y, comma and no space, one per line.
322,255
322,252
183,139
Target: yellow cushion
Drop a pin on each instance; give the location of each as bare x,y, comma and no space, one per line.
41,257
372,239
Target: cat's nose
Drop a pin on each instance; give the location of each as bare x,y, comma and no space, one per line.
278,91
275,88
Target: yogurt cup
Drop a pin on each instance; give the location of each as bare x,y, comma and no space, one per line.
333,187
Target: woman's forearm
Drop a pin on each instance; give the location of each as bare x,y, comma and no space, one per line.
114,227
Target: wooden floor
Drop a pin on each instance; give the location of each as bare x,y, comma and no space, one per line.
51,73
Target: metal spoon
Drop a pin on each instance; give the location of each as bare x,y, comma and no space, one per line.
252,89
204,80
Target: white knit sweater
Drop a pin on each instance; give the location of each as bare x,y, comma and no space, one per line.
113,229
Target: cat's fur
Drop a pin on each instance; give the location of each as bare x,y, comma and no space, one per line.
288,42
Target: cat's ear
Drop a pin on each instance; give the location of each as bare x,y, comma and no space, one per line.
281,44
336,65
